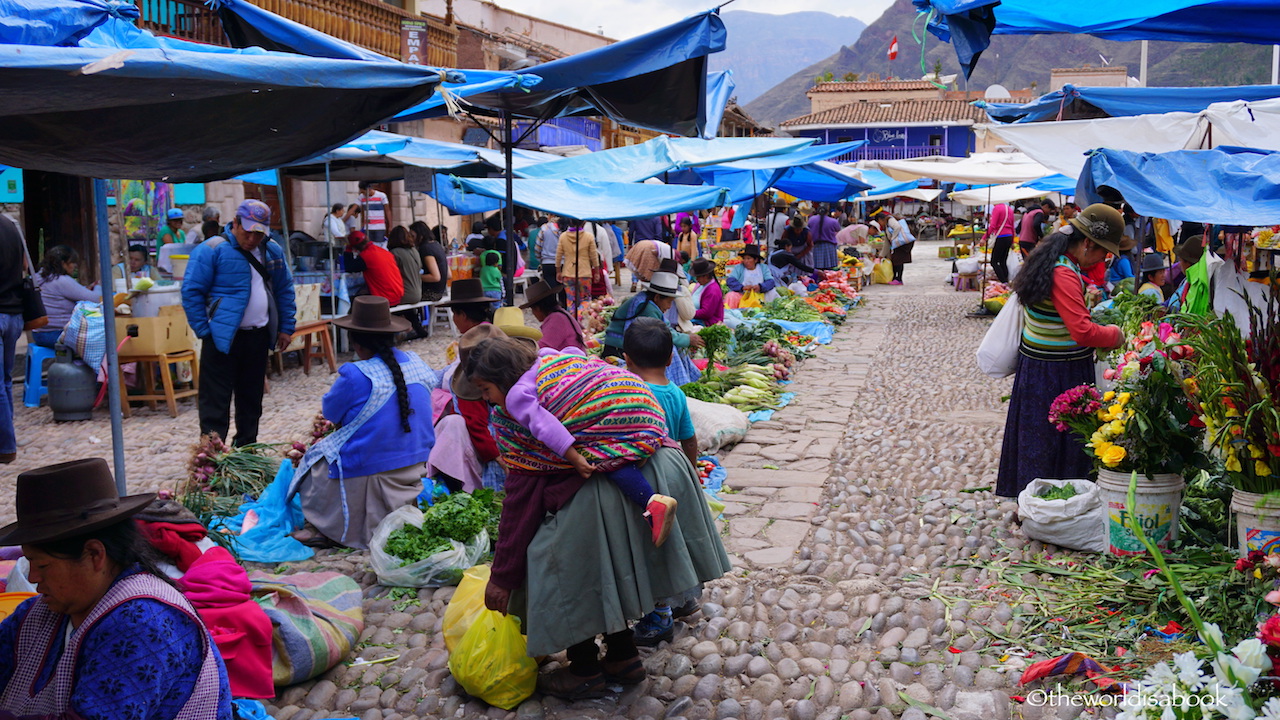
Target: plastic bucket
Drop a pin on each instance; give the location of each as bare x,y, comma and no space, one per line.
1257,521
1157,501
179,265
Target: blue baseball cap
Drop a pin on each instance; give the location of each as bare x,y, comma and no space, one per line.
255,216
176,214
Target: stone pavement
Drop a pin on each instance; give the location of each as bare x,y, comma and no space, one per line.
777,474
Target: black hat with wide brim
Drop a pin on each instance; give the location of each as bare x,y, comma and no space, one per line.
62,501
467,291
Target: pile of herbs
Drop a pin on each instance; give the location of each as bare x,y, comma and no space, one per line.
1066,491
459,517
1111,607
716,339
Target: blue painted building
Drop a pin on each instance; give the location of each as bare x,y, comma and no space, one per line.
894,129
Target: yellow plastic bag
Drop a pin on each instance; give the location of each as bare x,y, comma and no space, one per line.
751,299
465,606
492,662
883,274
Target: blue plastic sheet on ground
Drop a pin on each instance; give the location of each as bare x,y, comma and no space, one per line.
765,415
254,710
715,481
822,332
269,541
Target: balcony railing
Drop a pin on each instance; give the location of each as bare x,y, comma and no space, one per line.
890,153
371,24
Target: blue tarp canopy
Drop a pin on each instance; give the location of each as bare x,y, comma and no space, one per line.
657,80
595,200
800,173
635,163
969,24
1226,185
86,92
1072,102
1057,182
380,156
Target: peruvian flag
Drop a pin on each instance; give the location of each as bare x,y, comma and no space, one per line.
893,48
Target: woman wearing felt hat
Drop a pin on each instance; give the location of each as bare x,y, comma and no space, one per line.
108,636
560,329
753,277
1154,268
1056,352
374,462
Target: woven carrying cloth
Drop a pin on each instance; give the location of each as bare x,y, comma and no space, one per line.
612,415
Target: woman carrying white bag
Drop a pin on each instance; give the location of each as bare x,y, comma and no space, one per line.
1054,350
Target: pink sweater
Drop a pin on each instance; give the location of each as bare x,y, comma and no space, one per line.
1001,222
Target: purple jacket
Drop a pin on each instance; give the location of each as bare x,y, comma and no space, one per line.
523,407
561,331
710,305
823,228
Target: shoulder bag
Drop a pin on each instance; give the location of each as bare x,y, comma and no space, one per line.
998,352
34,315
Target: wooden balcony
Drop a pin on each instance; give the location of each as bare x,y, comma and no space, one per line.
371,24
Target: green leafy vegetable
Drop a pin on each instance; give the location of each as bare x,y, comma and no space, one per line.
698,391
1058,492
457,517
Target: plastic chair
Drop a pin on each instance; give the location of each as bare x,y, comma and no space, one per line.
34,389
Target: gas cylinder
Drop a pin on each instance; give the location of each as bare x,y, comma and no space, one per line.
73,387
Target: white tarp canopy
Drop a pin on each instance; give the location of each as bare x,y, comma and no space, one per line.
1245,124
995,195
1061,145
922,194
977,169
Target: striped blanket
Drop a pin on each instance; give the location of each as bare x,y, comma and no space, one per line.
611,413
316,617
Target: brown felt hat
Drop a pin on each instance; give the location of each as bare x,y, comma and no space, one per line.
372,314
703,266
62,501
466,291
540,291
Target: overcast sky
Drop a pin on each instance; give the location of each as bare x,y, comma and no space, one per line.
622,19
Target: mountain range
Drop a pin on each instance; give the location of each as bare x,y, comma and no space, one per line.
764,49
1015,61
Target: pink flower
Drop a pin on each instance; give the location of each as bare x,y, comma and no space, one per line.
1269,631
1273,597
1164,331
1147,575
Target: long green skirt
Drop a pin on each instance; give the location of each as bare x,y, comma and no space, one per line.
593,567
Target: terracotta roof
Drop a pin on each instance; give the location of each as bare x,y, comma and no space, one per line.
872,85
1025,94
897,111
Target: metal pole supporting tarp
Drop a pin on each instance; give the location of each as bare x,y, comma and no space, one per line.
284,215
333,271
508,212
109,328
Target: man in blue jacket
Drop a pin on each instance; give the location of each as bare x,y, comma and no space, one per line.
238,296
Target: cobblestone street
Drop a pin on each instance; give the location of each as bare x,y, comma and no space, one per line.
849,556
844,518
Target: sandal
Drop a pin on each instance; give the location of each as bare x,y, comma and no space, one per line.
564,684
624,672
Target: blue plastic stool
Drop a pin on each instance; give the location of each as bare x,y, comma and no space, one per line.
34,389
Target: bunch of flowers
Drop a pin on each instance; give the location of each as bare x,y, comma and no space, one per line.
1185,690
1145,423
1077,406
1236,393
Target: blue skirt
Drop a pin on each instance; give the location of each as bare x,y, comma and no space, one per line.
1033,448
824,256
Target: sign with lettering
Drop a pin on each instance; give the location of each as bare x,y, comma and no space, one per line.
880,136
413,42
418,179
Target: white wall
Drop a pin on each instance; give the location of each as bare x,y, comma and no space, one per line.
488,16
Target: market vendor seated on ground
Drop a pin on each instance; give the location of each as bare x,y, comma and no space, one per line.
751,281
560,329
376,459
108,637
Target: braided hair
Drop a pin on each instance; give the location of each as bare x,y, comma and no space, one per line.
383,346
